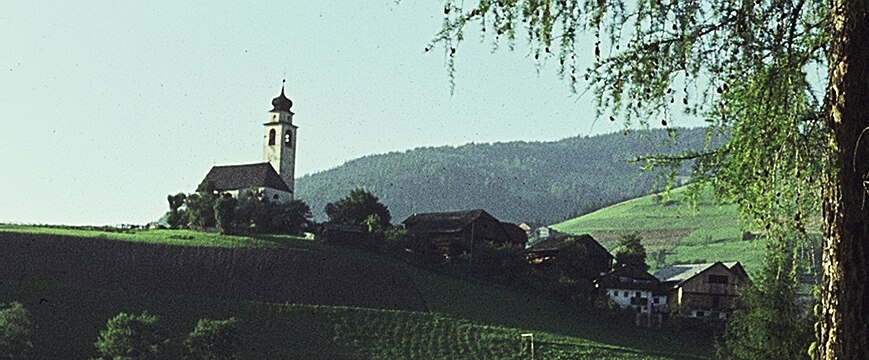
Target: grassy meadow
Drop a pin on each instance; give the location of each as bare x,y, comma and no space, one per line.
706,233
466,319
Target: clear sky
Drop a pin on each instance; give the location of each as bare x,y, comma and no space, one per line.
106,107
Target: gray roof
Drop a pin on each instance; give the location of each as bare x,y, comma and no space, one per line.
682,272
235,177
444,222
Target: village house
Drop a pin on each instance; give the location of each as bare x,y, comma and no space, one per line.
547,248
630,287
457,232
703,291
273,178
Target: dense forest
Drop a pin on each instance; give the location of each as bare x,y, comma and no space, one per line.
540,182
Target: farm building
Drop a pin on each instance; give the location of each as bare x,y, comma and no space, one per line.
630,287
456,232
702,290
546,249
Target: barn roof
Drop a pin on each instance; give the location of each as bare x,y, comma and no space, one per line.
515,232
444,222
557,242
628,277
235,177
682,272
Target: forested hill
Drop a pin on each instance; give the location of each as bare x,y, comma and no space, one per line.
541,182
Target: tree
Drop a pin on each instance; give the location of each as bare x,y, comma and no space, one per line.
632,252
768,323
177,217
358,208
753,70
130,336
224,213
214,340
292,217
573,262
16,332
200,205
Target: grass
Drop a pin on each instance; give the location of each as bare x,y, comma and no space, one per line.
68,321
166,237
466,319
710,232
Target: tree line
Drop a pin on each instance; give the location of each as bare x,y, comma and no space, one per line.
253,213
543,182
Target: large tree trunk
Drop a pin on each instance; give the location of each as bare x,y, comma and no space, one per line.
844,318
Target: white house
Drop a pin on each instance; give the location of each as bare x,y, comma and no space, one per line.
630,287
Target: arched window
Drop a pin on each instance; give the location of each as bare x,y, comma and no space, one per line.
272,135
288,138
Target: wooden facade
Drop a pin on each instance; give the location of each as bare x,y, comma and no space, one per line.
703,290
457,232
547,249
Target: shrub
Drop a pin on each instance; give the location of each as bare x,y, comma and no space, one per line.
16,331
213,340
131,337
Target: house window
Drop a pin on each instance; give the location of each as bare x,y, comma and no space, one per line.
639,294
717,279
700,314
656,300
716,302
276,197
625,294
272,135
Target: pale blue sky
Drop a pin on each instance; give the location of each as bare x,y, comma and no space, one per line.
108,106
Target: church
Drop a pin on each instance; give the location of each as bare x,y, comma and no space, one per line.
273,178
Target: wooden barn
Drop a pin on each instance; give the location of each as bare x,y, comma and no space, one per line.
703,290
546,249
456,232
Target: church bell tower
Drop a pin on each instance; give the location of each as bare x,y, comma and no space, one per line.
279,147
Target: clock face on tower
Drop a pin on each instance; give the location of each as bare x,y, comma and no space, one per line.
288,139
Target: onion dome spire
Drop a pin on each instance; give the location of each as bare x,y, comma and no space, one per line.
282,103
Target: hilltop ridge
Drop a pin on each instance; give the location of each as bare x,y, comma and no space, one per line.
515,181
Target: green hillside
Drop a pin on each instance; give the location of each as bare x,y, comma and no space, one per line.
710,232
466,319
517,181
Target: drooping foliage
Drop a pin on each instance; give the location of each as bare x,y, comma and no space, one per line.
771,320
753,70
